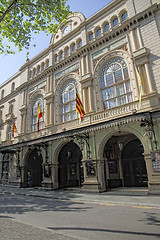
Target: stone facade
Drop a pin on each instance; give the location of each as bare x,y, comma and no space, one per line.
112,59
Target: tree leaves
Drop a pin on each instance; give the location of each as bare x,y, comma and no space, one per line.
20,18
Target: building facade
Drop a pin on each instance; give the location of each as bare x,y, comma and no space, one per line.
112,59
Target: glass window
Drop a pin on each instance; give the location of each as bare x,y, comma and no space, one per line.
38,69
124,16
80,43
38,101
91,37
56,58
67,51
68,103
115,83
115,22
9,133
73,47
61,55
98,32
106,27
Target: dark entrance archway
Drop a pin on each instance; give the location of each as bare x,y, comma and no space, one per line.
70,166
133,165
34,168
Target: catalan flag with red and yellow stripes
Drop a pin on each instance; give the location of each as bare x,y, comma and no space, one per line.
39,115
79,106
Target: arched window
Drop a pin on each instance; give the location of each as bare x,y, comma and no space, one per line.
115,84
91,36
68,102
10,110
56,58
9,132
115,22
12,87
106,27
38,101
80,43
98,32
2,94
38,69
61,54
124,16
73,47
43,66
67,51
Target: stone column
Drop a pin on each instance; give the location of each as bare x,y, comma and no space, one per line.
54,175
150,86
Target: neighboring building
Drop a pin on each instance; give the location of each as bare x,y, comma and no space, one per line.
117,143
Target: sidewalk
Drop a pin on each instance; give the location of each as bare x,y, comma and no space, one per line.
121,196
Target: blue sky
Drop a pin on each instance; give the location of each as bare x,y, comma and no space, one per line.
10,64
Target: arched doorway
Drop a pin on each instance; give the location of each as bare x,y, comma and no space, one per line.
70,166
133,165
34,168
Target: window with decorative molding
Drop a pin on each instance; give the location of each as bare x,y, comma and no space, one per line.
115,22
124,16
38,101
68,102
115,84
106,27
9,132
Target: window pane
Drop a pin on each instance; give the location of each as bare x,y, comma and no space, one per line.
65,97
105,105
66,108
129,97
112,103
98,32
128,87
118,76
124,16
120,90
73,47
104,95
80,43
72,94
66,117
109,79
106,27
102,82
122,100
115,22
73,115
73,105
90,36
67,51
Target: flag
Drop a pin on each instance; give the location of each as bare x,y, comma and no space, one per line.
79,106
39,115
140,81
14,129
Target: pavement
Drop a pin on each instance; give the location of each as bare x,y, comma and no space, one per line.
118,196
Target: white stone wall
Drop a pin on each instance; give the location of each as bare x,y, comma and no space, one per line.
151,41
136,6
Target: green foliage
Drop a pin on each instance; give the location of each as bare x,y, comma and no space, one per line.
20,18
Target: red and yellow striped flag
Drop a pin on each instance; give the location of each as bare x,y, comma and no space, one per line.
79,106
39,115
14,129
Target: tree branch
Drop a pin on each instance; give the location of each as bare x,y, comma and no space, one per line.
9,9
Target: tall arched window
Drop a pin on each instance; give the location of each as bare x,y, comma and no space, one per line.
9,132
68,102
38,101
115,84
